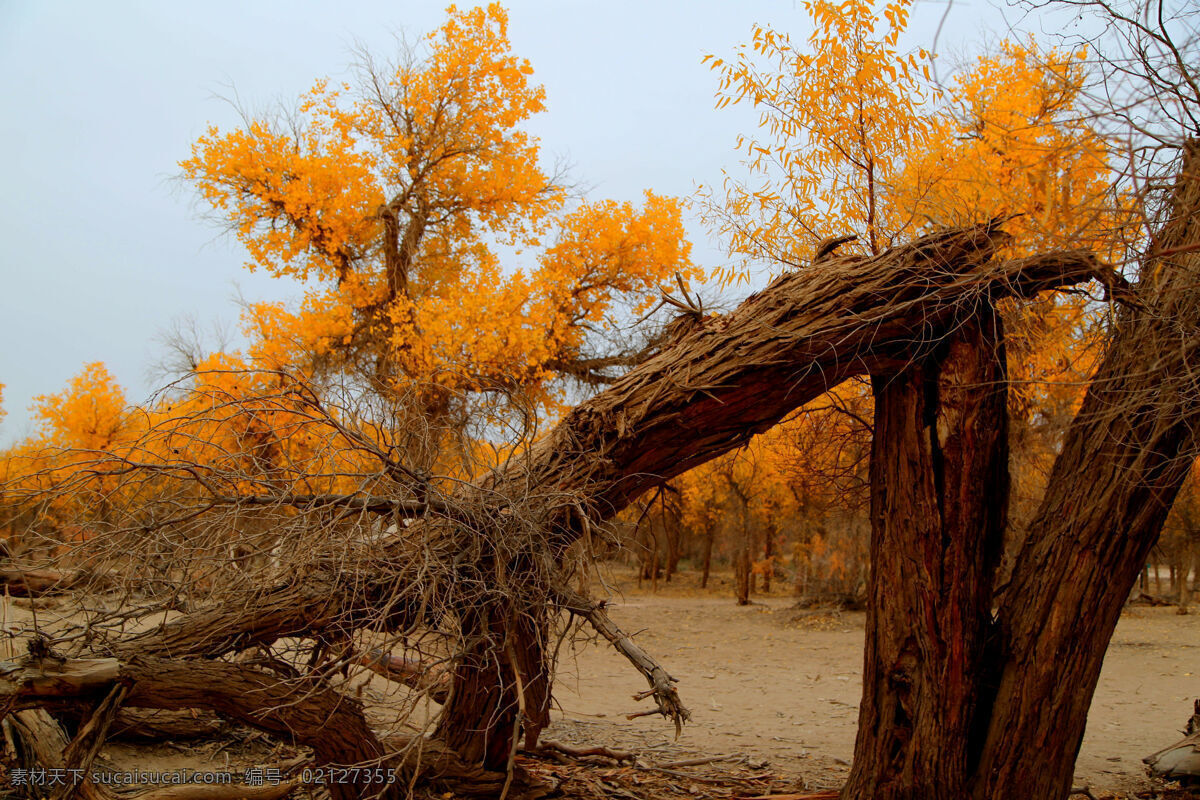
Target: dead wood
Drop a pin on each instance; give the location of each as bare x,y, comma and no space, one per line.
302,711
33,582
156,725
42,742
231,791
662,685
84,748
550,746
141,725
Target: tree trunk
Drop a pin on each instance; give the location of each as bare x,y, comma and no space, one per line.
1125,457
741,556
939,487
953,706
708,547
768,555
1185,568
480,721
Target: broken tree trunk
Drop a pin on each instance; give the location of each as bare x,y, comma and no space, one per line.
956,704
939,491
1125,457
720,382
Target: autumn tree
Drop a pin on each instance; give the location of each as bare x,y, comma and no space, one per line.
395,196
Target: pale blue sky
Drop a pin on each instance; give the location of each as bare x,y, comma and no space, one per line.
101,249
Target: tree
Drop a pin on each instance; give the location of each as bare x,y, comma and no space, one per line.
394,197
90,414
837,121
719,382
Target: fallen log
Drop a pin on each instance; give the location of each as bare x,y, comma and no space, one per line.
1180,761
157,725
304,711
144,726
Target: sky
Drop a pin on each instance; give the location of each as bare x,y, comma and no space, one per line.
103,248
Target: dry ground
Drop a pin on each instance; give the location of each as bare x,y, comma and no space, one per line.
774,689
780,686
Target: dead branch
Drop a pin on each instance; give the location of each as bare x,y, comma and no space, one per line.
43,742
84,748
581,752
434,680
34,582
662,687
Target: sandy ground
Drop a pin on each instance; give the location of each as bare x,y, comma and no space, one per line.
779,689
772,685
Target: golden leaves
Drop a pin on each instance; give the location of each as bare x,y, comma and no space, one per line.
89,414
396,197
837,118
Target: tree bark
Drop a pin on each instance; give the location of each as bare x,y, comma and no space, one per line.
939,487
1125,457
303,711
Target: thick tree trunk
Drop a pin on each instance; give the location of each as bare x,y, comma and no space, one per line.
726,380
939,487
481,720
1125,457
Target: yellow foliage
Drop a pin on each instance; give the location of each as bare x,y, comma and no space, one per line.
90,414
394,197
837,118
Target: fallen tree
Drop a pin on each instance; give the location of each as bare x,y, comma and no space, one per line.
487,555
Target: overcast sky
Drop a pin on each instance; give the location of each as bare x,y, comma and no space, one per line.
100,249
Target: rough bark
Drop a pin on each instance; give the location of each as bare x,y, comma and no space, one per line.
302,711
717,384
1125,457
662,685
939,487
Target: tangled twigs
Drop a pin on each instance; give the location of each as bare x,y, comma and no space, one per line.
662,687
